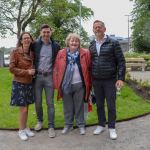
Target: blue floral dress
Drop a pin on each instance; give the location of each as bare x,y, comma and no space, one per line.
22,94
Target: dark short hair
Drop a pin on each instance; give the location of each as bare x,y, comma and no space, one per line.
45,26
96,21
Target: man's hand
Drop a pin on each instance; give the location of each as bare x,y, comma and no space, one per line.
119,84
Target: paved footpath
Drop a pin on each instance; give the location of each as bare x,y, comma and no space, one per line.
132,135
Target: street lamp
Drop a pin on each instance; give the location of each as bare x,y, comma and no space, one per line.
80,4
128,32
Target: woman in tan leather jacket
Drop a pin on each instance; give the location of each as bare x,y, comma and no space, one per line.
21,66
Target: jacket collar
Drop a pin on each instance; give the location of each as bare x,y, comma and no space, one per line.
41,41
106,41
82,52
20,50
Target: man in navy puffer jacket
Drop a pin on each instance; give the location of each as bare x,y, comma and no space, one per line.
108,74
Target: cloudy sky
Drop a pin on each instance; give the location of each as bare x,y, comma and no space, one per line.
112,12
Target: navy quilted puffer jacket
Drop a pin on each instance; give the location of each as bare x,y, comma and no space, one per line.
110,63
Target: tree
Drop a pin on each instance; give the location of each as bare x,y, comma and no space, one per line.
15,15
62,16
141,25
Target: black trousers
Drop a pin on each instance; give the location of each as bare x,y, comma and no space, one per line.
105,89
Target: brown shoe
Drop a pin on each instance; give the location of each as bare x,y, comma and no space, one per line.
51,132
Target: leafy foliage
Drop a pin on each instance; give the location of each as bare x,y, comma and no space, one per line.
136,55
141,25
63,16
15,15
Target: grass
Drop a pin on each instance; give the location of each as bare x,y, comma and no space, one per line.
128,105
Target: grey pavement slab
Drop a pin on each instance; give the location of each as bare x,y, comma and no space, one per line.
132,135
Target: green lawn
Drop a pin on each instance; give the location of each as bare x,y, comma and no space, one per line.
128,105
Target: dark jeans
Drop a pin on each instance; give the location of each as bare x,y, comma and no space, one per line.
73,104
105,89
44,83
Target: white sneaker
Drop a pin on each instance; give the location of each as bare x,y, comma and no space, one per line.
38,126
98,130
113,134
67,130
29,132
82,131
22,135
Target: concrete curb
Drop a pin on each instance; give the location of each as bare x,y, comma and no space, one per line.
59,128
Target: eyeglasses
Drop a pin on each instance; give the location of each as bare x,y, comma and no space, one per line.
26,38
46,32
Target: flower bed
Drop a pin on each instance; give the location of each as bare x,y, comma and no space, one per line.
141,88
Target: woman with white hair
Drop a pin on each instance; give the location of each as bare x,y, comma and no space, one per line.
72,79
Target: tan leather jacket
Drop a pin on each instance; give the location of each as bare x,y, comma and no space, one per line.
19,65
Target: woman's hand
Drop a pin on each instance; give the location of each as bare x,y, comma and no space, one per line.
31,71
